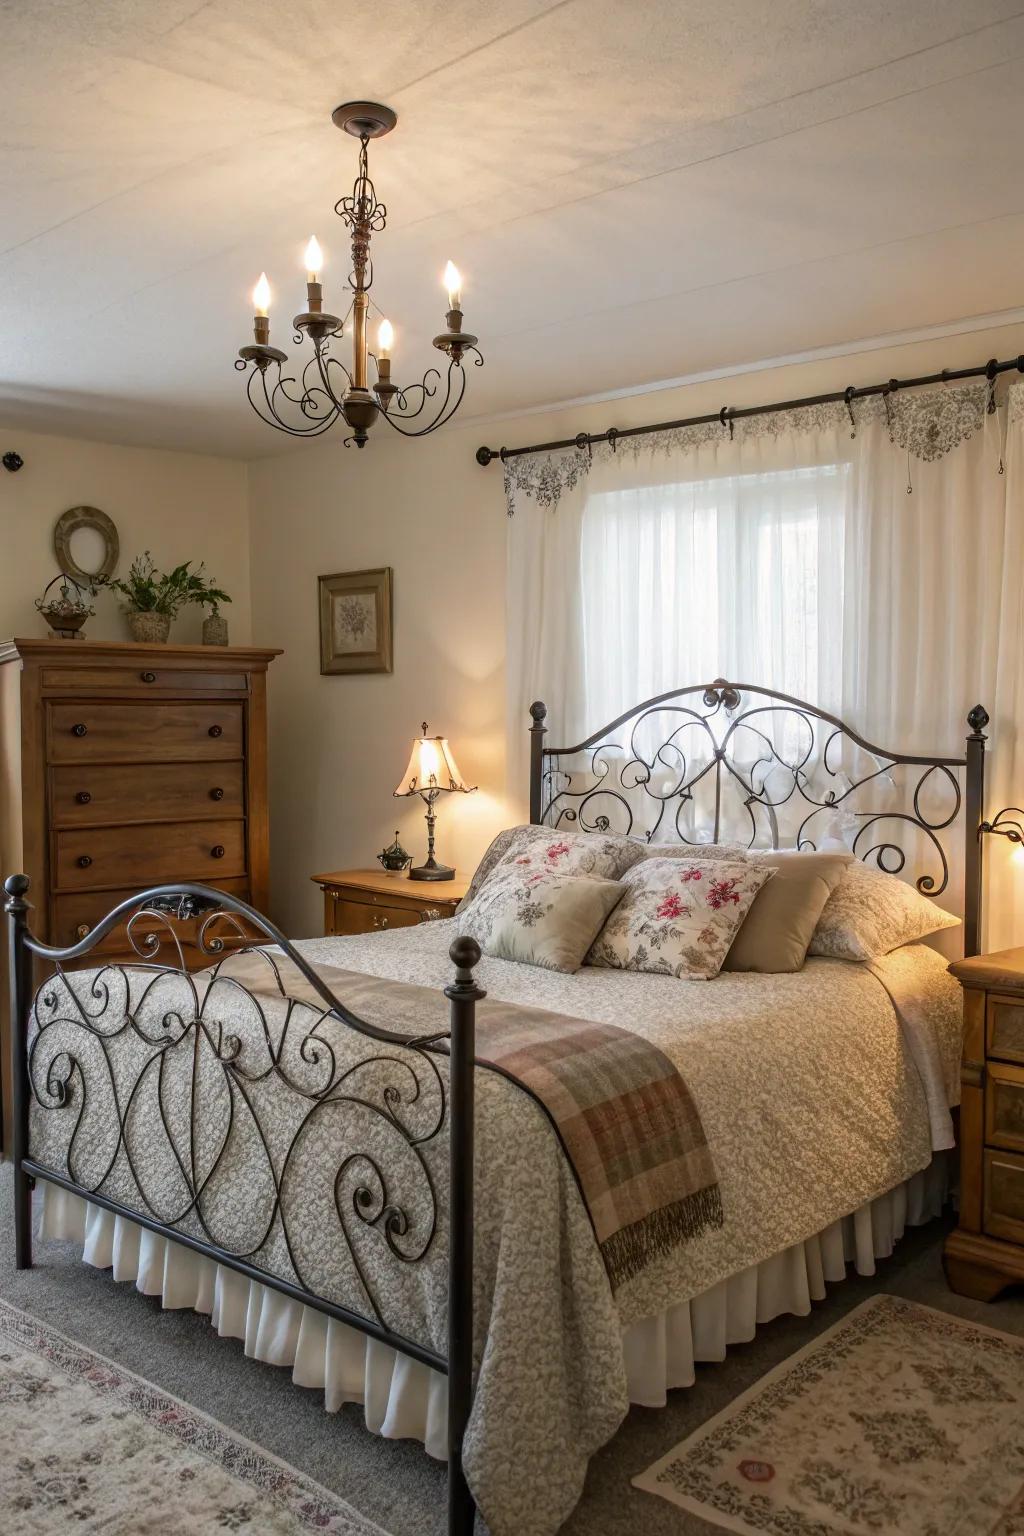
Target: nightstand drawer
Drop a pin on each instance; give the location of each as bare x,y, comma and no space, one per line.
1004,1106
1004,1025
370,916
1004,1196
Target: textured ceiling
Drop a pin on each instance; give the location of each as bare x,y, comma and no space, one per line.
634,191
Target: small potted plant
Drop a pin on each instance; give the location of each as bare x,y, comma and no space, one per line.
66,612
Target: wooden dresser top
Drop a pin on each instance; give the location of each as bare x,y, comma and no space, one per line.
1001,971
49,648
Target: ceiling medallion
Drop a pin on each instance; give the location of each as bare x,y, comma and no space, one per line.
307,404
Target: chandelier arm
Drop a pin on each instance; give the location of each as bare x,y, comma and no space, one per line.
445,411
304,402
271,417
324,362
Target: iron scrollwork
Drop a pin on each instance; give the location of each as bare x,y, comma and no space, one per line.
751,765
266,1128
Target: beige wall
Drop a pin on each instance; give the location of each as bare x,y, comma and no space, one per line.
180,506
339,744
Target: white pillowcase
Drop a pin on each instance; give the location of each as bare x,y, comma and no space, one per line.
870,913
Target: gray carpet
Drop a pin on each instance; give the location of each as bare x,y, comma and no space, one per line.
395,1482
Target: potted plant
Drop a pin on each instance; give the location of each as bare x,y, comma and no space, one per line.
152,598
66,613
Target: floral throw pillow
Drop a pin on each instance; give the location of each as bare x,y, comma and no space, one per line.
870,913
539,916
678,917
606,856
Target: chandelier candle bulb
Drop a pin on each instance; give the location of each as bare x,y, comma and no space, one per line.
261,305
385,340
453,283
314,259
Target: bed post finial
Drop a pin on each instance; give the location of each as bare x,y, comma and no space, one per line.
538,730
17,908
974,815
463,995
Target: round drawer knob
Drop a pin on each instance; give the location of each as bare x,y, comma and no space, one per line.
216,730
83,797
148,677
216,794
217,851
84,861
79,730
82,931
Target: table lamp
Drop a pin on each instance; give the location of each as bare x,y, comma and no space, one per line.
432,771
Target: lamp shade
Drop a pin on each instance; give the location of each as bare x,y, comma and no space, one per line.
431,767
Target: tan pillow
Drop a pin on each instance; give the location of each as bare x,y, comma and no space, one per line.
539,918
779,927
870,913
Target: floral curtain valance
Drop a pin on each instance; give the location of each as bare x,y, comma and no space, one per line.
926,424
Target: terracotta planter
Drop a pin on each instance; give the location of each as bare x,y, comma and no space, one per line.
149,628
215,630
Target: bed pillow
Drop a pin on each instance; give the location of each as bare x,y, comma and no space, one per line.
780,924
870,913
604,855
538,916
703,852
678,917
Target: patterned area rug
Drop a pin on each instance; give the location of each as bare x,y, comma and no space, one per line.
898,1419
88,1446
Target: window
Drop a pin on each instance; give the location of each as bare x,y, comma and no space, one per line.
734,576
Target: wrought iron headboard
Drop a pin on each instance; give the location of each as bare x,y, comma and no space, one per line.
763,766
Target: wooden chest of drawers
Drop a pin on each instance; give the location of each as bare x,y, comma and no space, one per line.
368,901
127,765
986,1252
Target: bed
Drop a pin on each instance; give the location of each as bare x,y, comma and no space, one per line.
297,1140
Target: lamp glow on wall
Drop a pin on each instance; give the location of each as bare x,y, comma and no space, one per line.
432,771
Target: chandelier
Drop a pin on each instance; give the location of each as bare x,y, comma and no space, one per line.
307,402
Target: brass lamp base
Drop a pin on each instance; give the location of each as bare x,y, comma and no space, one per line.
431,870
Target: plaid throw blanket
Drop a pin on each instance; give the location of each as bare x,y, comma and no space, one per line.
624,1116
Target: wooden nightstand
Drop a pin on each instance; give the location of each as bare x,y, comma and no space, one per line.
362,900
986,1252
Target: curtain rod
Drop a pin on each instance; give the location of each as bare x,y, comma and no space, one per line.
730,413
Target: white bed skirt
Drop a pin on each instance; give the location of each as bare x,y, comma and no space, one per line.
405,1400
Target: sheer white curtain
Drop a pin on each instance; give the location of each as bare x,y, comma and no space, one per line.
792,556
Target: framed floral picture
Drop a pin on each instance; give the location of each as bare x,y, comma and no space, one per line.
355,621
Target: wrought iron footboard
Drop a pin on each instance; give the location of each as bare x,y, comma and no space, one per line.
285,1138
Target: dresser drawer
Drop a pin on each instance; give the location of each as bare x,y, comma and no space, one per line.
87,795
76,915
132,733
143,679
1004,1024
370,916
107,857
1003,1214
1004,1106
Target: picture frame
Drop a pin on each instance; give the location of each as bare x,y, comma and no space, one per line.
356,621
